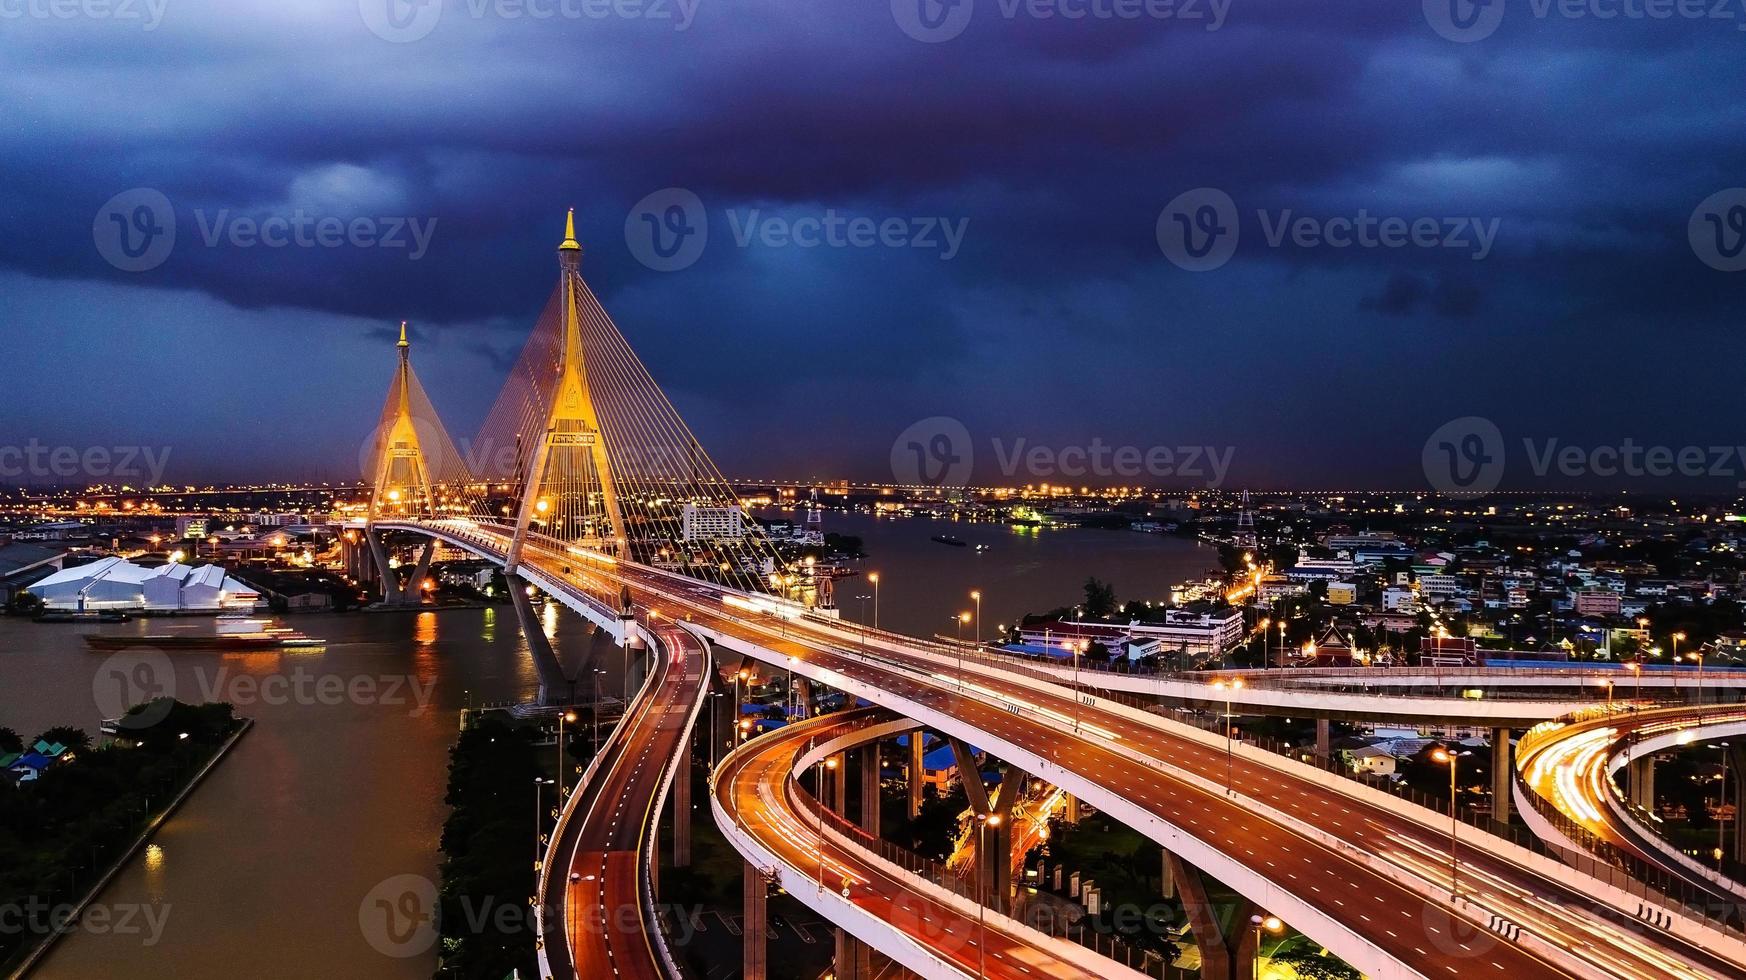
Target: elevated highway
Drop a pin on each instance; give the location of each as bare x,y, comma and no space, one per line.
1359,871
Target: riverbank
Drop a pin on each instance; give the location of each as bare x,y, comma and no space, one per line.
27,959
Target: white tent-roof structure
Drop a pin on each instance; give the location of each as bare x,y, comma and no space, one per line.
117,584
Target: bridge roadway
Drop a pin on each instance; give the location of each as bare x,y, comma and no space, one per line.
1572,765
1367,879
600,876
755,790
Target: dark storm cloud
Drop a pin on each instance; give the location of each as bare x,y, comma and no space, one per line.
1587,143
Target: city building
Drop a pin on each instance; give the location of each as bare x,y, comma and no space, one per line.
700,523
117,584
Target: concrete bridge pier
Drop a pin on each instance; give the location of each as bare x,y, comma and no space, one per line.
1642,779
414,592
870,810
1502,762
917,774
1224,936
384,572
682,809
853,958
754,940
553,683
996,863
838,780
1324,738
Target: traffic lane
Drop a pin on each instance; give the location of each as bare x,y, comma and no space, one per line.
604,908
1421,850
734,626
752,791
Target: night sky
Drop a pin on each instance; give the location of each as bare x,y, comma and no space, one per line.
1606,308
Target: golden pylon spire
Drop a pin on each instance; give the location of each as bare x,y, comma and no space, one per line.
570,244
403,341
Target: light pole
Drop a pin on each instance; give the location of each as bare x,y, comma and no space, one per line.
874,578
598,674
863,600
562,717
1229,687
1722,802
1078,649
1272,924
961,619
829,765
983,822
538,854
1676,638
1266,647
1453,760
976,597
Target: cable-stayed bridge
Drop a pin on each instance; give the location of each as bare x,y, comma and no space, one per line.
586,484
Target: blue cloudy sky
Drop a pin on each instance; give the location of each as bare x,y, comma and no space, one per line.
1571,273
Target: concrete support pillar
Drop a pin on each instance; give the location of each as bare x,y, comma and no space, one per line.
1169,885
1324,738
1222,934
839,785
870,788
390,582
802,695
553,684
754,962
414,592
1642,778
1012,784
1502,763
852,958
682,809
918,740
1070,812
1737,773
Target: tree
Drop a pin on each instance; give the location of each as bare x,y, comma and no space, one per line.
27,604
1100,598
10,742
74,739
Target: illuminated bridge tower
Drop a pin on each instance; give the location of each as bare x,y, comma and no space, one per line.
569,486
409,462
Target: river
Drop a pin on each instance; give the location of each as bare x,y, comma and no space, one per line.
339,787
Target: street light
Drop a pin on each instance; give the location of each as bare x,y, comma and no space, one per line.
961,619
538,782
1271,923
1453,760
976,597
569,716
829,764
1230,686
1078,649
983,822
874,578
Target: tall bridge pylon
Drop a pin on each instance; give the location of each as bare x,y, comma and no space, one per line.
583,451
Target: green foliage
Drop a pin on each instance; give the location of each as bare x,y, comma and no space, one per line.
59,832
10,742
27,604
74,739
1314,963
1100,598
487,876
